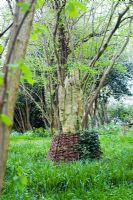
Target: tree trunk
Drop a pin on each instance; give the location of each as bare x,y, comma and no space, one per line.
16,50
70,99
71,104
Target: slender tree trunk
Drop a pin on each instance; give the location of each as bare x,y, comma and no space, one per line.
27,114
16,50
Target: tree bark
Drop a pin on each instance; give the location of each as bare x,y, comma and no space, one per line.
71,104
16,50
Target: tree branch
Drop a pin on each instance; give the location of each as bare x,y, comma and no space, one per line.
103,78
1,34
11,9
105,44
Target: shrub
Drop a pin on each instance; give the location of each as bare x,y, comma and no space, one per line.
41,132
89,145
36,132
15,133
28,133
121,113
110,129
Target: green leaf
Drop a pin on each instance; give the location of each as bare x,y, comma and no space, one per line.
24,6
23,180
38,29
1,78
26,73
34,36
6,120
39,3
120,68
15,178
19,170
1,48
83,68
73,8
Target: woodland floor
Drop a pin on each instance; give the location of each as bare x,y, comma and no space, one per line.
30,176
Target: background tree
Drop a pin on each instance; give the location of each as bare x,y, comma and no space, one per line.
117,85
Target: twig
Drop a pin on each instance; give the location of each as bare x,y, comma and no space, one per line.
1,34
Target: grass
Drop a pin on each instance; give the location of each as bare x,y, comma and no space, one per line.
31,176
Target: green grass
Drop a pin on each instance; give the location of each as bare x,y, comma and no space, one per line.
31,176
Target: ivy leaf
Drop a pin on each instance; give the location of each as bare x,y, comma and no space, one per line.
6,120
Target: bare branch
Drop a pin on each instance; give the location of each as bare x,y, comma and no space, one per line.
10,7
1,34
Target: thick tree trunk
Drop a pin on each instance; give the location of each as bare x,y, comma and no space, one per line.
16,51
71,104
70,99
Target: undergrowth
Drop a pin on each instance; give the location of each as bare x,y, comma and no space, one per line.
31,176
